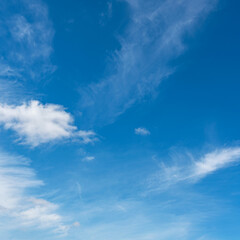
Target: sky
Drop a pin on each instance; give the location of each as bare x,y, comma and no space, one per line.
119,119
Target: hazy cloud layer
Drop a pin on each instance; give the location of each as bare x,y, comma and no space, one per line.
16,179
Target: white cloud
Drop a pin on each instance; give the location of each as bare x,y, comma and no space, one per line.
213,161
16,179
36,123
87,136
88,159
190,170
155,36
141,131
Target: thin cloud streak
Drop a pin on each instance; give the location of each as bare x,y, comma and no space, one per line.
154,37
192,170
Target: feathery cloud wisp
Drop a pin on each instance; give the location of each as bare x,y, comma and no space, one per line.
25,47
36,123
26,37
194,170
215,160
154,37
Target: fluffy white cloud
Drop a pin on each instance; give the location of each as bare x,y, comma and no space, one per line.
192,170
141,131
36,123
16,178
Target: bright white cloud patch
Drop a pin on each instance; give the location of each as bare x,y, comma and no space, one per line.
141,131
213,161
16,178
36,123
193,169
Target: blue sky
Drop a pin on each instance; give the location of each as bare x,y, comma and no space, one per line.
119,120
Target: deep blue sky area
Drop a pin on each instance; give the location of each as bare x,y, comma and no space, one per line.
119,119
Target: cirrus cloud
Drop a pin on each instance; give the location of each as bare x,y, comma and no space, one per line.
193,169
154,37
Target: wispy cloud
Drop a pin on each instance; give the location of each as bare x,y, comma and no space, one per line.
188,169
215,160
16,181
36,123
154,37
86,136
26,35
141,131
26,38
107,14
